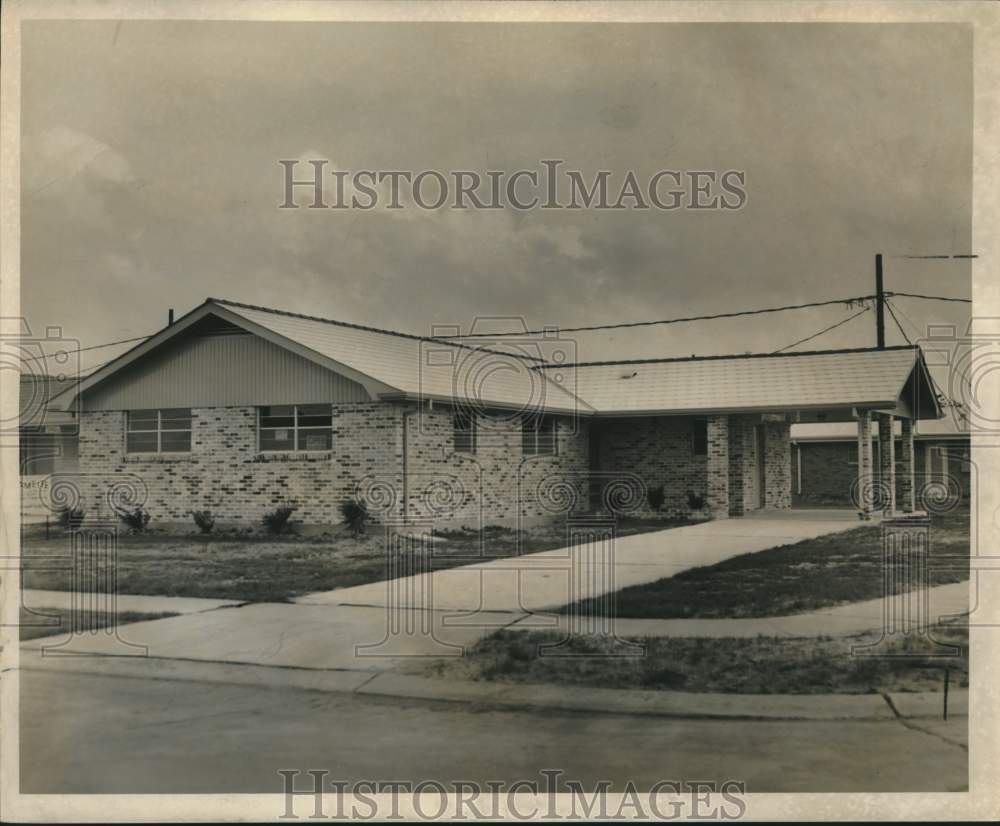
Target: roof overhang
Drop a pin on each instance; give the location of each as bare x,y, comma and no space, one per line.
69,398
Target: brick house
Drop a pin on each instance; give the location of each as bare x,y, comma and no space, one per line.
239,409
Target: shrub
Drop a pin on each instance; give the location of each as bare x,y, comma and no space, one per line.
277,522
204,520
136,520
695,501
70,517
355,514
656,497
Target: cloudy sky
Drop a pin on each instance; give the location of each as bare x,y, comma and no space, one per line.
150,176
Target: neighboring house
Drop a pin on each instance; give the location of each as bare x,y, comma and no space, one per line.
239,409
825,463
48,442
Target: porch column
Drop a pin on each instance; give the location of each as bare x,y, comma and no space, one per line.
718,466
907,467
887,462
738,431
864,485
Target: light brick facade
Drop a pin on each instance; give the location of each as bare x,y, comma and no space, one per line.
226,474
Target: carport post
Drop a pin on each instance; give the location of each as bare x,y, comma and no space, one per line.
864,485
907,461
887,463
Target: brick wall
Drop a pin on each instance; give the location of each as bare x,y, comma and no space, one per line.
777,466
497,483
743,470
659,450
224,472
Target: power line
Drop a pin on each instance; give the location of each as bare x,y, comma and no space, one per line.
846,301
935,257
916,329
892,312
824,330
91,347
932,297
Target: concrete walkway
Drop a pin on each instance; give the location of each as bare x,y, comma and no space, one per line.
549,579
38,600
375,627
842,621
371,627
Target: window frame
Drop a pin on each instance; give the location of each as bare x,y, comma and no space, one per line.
295,427
159,430
534,448
473,432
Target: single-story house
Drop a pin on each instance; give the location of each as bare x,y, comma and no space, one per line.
825,462
239,409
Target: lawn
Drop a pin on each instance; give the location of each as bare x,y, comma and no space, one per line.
57,621
261,568
761,665
817,573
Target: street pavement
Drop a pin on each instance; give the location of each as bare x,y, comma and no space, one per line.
87,733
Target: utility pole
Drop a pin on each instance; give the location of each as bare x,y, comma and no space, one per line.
879,304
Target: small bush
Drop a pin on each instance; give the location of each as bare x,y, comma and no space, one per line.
204,520
70,517
656,497
497,530
136,520
355,514
695,501
277,521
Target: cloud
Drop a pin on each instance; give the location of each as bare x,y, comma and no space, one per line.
62,155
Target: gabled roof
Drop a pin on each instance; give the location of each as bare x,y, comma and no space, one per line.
388,364
826,379
392,365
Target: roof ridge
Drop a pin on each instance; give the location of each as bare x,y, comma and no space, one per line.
666,359
229,303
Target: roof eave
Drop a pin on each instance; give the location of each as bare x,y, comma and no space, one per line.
68,401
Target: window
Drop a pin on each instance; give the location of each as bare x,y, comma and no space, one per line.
158,431
464,426
538,436
699,437
293,427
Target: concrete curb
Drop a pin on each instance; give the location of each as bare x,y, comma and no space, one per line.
816,707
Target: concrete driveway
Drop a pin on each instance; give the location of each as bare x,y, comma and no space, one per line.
549,579
374,627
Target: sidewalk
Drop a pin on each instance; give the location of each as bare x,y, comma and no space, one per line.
38,600
843,621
